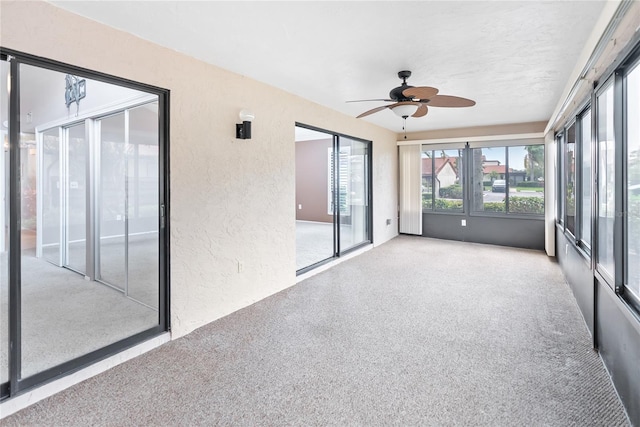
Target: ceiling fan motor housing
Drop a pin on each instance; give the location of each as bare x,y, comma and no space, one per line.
396,93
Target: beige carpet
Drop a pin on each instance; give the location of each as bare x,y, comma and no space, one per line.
65,316
416,332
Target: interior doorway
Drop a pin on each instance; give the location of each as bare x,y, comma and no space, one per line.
333,198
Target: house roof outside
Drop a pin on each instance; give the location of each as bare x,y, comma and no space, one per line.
440,163
501,169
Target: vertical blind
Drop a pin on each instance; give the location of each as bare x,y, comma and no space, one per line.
410,189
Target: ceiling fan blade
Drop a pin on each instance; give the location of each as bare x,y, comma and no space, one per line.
449,101
420,92
375,110
367,100
421,112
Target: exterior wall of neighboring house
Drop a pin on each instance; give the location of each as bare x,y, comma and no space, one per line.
312,176
239,194
447,175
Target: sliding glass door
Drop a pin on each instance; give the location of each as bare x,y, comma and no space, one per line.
112,197
315,197
128,203
51,234
84,270
354,191
333,209
77,153
4,233
143,205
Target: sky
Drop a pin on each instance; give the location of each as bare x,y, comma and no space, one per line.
516,156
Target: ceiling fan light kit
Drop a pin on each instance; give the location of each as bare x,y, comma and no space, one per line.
412,101
405,109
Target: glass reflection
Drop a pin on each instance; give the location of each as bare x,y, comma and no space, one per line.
606,181
67,193
353,187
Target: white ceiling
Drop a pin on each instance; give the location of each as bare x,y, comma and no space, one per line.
514,58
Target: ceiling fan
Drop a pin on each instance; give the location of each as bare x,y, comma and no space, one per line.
410,101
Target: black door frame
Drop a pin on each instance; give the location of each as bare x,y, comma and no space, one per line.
337,251
17,385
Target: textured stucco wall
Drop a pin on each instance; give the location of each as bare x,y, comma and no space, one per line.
231,200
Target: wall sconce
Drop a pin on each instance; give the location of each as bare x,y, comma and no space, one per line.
243,130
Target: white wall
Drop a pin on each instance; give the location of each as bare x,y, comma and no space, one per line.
231,200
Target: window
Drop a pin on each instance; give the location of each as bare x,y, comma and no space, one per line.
570,179
526,179
508,180
442,180
585,180
632,282
560,174
606,182
427,181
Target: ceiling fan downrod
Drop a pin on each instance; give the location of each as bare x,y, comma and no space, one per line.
404,75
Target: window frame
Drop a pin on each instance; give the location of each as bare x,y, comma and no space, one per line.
506,213
585,247
560,138
615,80
632,63
601,274
571,234
432,148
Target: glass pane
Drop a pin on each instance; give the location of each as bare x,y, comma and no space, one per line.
633,181
585,180
427,181
354,221
526,179
143,205
112,201
314,197
570,180
447,180
4,220
561,178
51,197
489,185
77,199
606,181
65,316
